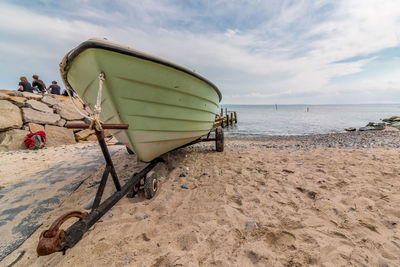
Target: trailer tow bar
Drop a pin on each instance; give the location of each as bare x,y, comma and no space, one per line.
57,240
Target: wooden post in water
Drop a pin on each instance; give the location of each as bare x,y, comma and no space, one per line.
222,112
234,113
231,118
276,107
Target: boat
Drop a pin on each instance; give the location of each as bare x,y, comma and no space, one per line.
166,105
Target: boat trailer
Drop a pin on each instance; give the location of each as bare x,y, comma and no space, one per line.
57,240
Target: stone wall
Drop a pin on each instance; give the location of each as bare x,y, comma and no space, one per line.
23,112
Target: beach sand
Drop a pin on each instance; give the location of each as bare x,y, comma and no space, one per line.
273,202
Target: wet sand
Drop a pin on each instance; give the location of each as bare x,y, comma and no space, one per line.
325,200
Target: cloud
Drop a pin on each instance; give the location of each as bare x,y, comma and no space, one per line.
258,52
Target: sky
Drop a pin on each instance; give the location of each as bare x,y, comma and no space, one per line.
255,52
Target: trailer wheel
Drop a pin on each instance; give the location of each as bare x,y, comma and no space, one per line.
150,185
129,150
219,139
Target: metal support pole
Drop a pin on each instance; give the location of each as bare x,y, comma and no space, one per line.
107,157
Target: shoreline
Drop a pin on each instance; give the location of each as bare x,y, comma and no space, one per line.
276,201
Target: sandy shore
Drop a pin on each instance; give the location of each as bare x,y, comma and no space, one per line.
323,200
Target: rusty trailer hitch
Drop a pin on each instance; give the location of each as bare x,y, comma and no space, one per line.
58,240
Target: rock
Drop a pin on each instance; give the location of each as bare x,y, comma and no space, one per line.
38,106
92,138
82,135
50,100
58,135
366,128
31,115
18,100
33,127
68,112
61,123
7,92
12,140
351,129
66,99
185,186
4,96
32,95
89,204
183,174
396,124
93,183
377,125
391,119
10,116
82,122
186,168
250,226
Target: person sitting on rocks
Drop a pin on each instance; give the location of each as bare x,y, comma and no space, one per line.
71,91
38,84
54,88
24,85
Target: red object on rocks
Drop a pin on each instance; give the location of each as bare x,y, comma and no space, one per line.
35,140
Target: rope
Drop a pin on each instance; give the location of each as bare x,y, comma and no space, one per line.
95,117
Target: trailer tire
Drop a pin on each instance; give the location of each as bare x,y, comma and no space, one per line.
219,139
150,185
129,150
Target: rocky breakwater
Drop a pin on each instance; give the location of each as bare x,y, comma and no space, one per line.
23,112
389,122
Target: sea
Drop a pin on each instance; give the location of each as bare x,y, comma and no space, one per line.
267,120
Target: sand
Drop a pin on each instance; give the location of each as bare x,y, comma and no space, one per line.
263,203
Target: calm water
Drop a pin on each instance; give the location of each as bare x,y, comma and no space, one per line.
262,120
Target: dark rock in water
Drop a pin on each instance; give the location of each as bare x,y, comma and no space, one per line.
377,125
366,128
351,129
391,119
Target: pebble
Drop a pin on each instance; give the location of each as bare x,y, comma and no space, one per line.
89,204
185,186
186,168
24,158
110,214
183,174
250,226
127,258
145,217
93,183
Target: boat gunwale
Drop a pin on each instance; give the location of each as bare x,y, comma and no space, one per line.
130,52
